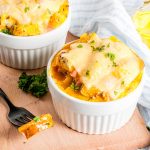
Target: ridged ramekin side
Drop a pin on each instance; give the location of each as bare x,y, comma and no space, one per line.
92,124
29,58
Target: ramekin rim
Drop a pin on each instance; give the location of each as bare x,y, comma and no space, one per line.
76,100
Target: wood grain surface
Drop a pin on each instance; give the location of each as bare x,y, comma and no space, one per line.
132,136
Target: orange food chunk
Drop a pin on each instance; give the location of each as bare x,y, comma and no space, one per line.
59,17
38,124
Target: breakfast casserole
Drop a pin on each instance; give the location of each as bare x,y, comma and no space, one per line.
31,17
38,124
96,69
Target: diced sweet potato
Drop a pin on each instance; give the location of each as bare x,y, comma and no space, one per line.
38,124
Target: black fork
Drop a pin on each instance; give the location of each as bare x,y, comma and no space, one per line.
17,115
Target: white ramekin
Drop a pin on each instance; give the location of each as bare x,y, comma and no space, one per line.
33,51
92,117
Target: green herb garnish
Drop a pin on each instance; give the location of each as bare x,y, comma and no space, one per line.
80,46
36,119
122,83
99,49
47,123
114,64
111,56
93,48
48,11
74,86
87,73
108,45
6,31
34,84
26,9
92,42
115,92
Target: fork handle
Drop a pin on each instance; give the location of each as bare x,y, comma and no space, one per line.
7,100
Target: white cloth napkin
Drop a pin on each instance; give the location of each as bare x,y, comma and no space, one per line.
111,17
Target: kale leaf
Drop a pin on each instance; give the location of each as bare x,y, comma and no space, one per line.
34,84
6,31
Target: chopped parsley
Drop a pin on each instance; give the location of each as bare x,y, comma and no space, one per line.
99,49
87,73
114,64
111,56
115,92
74,86
80,46
122,83
48,11
92,42
108,45
36,119
93,48
39,6
26,9
6,31
47,123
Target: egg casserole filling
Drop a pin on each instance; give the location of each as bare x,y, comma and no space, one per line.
31,17
96,69
36,125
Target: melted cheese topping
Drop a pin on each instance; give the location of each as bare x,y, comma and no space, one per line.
34,12
111,66
17,9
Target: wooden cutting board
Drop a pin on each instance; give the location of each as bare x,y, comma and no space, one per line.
132,136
